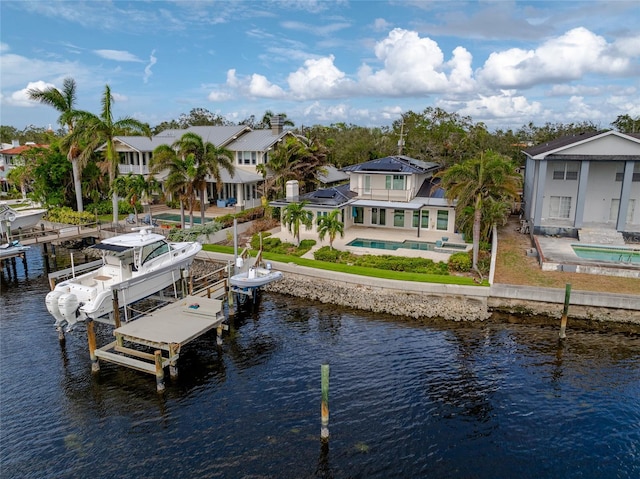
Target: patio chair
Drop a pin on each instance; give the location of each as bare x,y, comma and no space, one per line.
131,219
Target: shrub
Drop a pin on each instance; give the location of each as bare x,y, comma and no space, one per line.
68,216
460,262
327,254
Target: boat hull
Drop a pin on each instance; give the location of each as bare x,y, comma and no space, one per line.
259,277
24,220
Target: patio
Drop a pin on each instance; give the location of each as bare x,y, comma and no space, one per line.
379,234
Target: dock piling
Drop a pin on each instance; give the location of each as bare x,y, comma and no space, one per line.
324,408
91,336
565,311
159,371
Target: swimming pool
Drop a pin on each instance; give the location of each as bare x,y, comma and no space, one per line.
609,254
176,218
394,245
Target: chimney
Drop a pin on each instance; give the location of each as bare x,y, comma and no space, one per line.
15,143
276,124
293,190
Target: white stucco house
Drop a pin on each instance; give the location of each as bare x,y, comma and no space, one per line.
395,193
250,148
590,180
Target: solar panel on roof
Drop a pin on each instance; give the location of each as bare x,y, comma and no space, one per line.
325,194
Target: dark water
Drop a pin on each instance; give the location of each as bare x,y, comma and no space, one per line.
489,400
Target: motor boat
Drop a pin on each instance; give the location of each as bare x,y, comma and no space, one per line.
255,277
12,249
23,219
136,264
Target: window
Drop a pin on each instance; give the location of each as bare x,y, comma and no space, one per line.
378,216
559,207
320,214
566,171
615,208
425,219
358,214
395,182
443,220
398,218
246,157
154,250
367,183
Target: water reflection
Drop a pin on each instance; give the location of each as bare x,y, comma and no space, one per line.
407,399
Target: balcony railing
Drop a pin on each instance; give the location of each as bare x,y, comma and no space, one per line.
136,169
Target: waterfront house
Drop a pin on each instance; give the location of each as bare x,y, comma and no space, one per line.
250,148
10,157
591,180
397,194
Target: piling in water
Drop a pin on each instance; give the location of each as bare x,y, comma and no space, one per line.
91,337
324,408
565,311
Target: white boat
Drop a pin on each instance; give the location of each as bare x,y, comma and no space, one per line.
136,264
19,218
12,249
255,277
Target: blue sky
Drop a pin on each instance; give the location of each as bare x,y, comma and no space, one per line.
505,63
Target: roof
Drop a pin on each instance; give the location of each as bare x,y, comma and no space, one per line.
241,176
394,164
333,197
16,150
559,144
218,135
331,174
256,140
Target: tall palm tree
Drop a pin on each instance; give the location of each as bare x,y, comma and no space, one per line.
330,225
97,131
64,101
210,160
295,215
481,183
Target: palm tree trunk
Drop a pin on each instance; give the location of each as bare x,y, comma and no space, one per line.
114,205
181,214
202,208
77,183
477,216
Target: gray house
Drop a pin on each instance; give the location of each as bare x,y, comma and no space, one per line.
590,180
250,148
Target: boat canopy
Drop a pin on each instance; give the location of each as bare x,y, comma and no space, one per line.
112,247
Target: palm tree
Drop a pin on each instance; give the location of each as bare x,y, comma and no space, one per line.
100,131
210,160
179,171
294,215
135,187
64,101
481,183
331,225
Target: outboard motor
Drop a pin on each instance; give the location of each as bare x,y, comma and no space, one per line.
68,305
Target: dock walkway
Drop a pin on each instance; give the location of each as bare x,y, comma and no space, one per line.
166,330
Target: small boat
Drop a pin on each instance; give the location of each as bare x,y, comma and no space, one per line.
23,219
136,265
14,248
255,277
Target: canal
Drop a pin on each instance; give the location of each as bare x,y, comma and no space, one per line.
407,399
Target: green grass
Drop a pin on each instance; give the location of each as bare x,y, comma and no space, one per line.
357,270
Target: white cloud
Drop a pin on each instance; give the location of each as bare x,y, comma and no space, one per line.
4,47
119,97
147,70
318,78
117,55
412,65
21,97
505,105
381,25
568,57
259,86
219,96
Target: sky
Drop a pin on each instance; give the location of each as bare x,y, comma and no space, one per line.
503,63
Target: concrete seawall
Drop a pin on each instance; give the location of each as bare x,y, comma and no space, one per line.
446,301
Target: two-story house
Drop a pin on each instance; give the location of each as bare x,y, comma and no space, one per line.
250,148
590,180
395,193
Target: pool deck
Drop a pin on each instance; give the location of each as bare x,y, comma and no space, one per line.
556,254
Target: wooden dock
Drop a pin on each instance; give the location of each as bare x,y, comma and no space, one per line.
166,330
